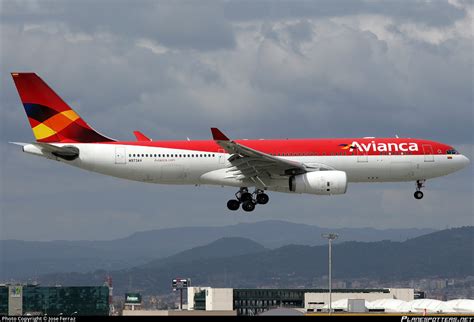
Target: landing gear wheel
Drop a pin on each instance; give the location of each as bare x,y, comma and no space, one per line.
248,206
233,204
418,194
246,196
419,184
262,198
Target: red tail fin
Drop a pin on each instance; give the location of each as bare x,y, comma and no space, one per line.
51,119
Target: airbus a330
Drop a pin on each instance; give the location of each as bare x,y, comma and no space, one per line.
312,166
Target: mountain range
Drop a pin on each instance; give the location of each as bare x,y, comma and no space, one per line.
29,259
239,262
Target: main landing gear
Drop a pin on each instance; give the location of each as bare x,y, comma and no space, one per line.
419,184
247,199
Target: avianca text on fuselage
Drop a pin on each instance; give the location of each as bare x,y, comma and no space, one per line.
382,147
313,166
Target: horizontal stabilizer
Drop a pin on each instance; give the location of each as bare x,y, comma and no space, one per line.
19,143
67,152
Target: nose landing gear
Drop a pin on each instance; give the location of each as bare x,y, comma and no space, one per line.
418,193
247,199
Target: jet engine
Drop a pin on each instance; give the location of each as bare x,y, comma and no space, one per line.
329,182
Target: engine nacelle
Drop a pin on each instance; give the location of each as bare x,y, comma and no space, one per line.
320,183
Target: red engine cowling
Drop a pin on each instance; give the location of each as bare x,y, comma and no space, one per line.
320,183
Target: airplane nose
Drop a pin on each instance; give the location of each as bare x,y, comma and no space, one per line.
464,161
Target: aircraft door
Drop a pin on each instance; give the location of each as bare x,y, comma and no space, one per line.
428,152
222,158
120,156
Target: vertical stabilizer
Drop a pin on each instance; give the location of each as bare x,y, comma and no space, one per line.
51,119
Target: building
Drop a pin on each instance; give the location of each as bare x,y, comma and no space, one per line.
133,301
318,301
210,299
205,301
56,300
176,313
459,306
256,301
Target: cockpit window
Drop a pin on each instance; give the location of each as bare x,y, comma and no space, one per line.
452,151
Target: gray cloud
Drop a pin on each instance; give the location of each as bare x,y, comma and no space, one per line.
174,69
182,25
433,13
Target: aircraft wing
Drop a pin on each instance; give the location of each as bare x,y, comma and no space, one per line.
256,165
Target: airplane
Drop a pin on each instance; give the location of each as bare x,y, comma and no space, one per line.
310,166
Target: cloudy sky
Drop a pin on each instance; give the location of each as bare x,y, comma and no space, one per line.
256,69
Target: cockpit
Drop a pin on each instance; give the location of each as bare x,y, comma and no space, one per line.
452,151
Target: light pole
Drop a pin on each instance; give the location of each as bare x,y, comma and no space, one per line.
330,237
180,284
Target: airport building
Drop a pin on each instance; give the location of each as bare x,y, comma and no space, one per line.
256,301
316,301
55,300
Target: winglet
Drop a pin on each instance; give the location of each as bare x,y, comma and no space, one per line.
140,136
218,135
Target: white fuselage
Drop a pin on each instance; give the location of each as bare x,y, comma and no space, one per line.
188,167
